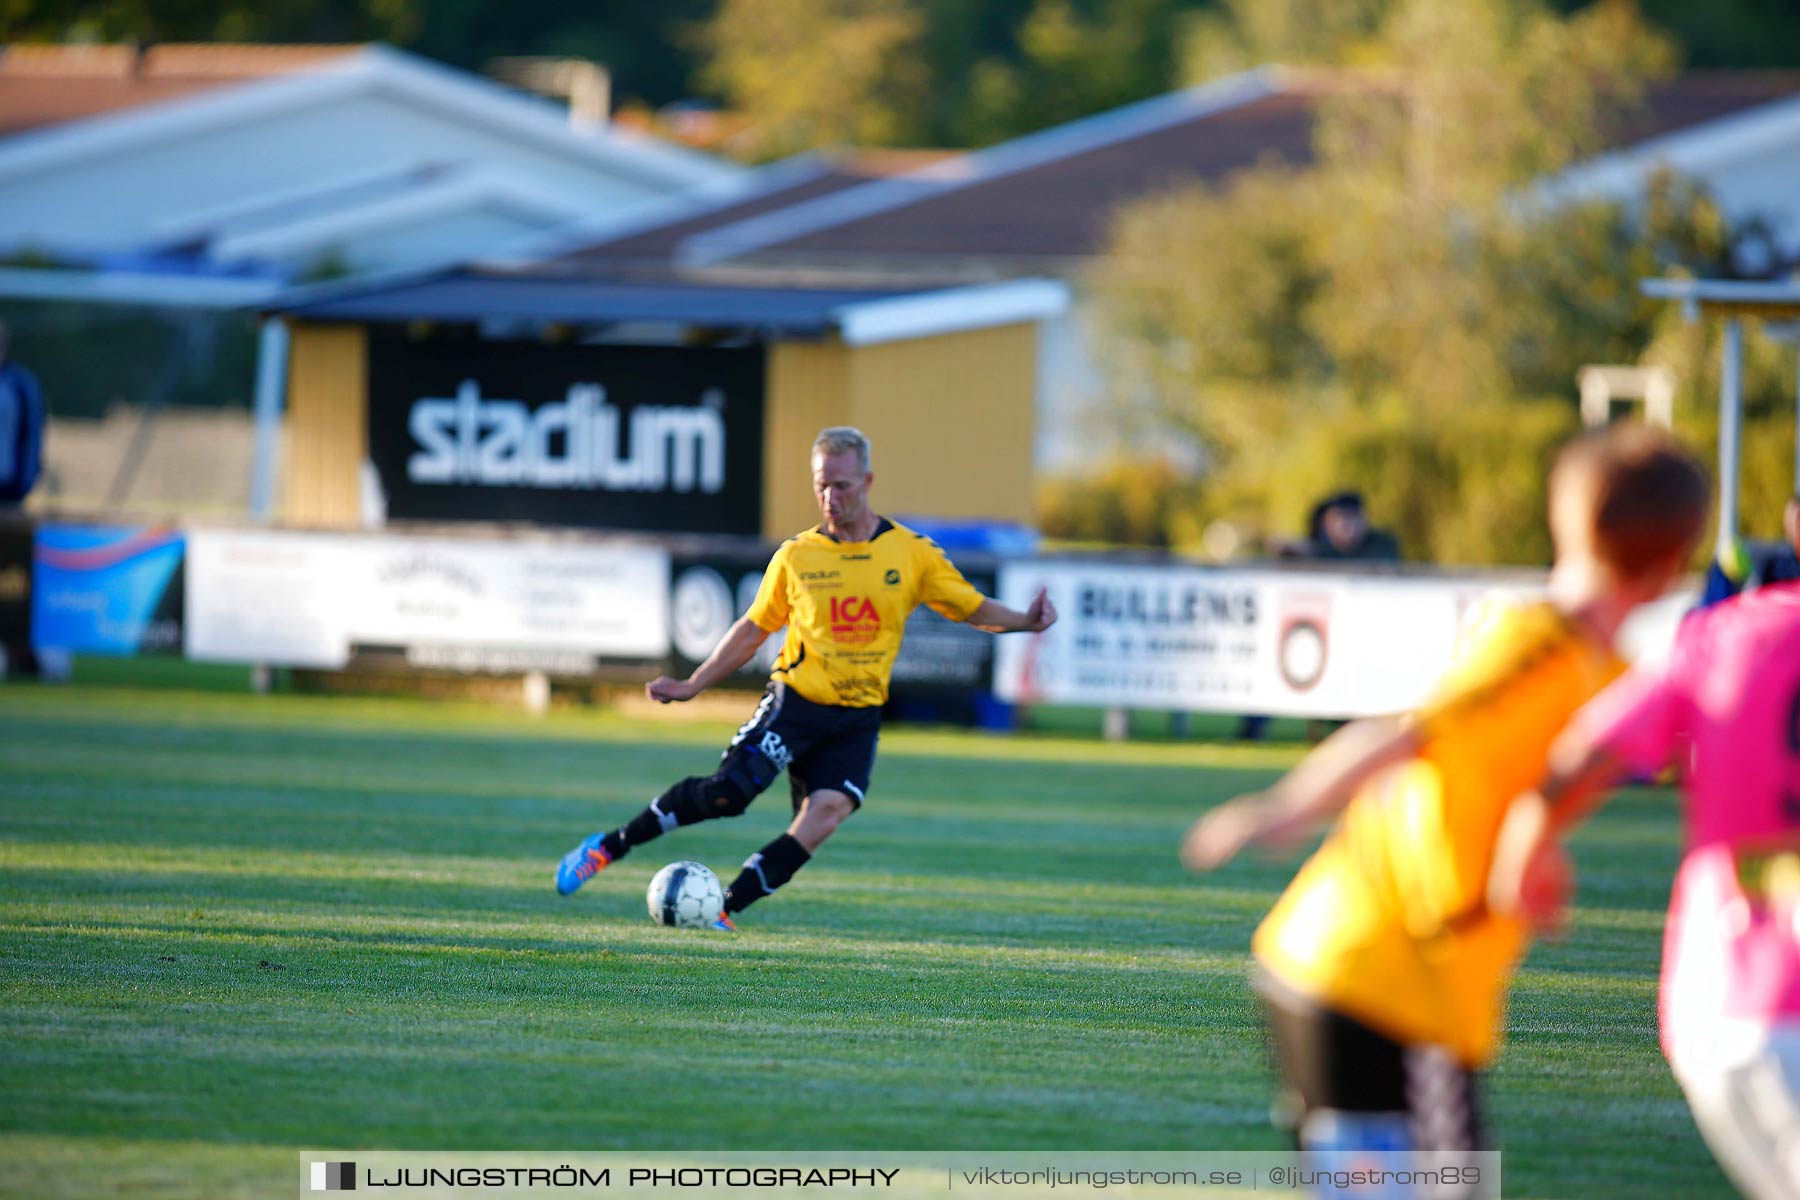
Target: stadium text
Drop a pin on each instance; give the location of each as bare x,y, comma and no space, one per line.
504,443
1158,605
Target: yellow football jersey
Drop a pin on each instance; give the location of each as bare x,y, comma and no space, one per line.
1387,922
845,606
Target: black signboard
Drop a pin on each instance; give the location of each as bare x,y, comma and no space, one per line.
707,592
16,541
657,438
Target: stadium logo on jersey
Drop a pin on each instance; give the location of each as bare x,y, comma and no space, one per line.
854,620
579,442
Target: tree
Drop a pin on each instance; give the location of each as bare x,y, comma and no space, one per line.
816,73
1068,64
1147,502
1407,314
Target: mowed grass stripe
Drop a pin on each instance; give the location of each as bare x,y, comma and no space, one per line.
231,927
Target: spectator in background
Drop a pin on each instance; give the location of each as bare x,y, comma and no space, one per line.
21,429
1338,530
1745,566
21,439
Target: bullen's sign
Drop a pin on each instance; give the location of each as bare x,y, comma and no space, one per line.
659,438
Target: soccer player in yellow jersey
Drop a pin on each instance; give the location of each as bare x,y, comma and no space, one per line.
844,591
1383,974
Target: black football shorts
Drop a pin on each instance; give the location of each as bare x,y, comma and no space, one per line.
820,746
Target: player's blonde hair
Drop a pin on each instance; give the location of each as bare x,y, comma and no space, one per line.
840,438
1645,498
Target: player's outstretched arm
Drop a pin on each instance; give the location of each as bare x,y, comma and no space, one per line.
995,617
733,651
1306,797
1530,876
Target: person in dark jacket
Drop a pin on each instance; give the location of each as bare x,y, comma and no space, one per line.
21,429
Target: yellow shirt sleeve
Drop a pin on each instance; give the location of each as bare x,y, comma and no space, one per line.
1521,659
769,611
942,586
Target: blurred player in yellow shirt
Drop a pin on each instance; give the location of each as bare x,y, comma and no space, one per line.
844,591
1382,973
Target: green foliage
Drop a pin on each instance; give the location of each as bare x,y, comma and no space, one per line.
995,68
1070,64
212,20
1238,35
1693,351
1464,486
1136,503
816,73
1404,315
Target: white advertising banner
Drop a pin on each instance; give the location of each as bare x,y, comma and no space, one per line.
312,599
514,598
1292,643
270,597
1223,640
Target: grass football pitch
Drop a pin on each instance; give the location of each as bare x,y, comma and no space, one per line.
233,927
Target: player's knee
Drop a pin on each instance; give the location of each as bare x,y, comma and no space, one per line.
703,797
827,809
741,779
729,799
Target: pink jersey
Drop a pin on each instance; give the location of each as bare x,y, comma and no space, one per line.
1726,708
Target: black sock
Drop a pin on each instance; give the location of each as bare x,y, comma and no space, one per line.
696,799
765,871
647,826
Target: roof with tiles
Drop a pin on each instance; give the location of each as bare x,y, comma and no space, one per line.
44,85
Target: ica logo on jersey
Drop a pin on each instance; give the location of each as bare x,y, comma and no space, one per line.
580,441
854,620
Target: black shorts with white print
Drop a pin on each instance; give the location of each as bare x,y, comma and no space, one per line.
820,746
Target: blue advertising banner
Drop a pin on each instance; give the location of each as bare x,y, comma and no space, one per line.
105,589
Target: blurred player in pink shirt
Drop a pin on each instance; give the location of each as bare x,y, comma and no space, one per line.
1725,708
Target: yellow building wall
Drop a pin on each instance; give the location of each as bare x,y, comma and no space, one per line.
327,424
808,389
952,421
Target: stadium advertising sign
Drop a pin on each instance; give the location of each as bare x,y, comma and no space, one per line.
512,606
271,597
707,592
658,438
1222,640
105,589
941,656
316,600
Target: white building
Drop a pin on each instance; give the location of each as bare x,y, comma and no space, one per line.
369,159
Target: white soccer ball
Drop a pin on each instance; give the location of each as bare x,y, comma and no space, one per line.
685,894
